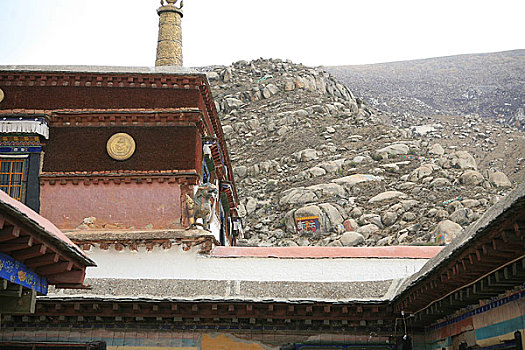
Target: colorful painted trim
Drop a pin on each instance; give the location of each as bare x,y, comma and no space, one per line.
23,139
480,310
308,223
20,149
500,328
17,273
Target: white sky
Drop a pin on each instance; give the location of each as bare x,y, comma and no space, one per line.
330,32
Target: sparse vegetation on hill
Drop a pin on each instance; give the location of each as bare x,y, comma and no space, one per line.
491,85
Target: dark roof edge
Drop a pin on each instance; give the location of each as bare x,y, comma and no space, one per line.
93,298
475,230
99,69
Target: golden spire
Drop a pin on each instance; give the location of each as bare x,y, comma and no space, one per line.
169,44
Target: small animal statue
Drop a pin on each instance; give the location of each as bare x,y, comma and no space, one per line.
200,206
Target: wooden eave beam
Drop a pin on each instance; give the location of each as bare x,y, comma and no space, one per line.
32,252
47,259
212,311
54,269
74,276
16,244
10,232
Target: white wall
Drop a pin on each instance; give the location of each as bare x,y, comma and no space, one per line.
175,263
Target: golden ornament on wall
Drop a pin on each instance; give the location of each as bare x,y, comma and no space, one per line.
120,146
2,95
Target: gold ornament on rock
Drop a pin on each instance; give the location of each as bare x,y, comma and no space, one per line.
120,146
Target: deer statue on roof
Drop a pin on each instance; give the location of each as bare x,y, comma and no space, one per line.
200,207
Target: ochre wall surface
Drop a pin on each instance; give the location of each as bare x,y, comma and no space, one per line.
128,204
61,97
157,148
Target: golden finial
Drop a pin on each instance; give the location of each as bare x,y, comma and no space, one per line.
172,2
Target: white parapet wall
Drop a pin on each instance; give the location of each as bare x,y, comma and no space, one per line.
175,263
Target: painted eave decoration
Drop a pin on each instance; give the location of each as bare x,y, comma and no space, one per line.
39,247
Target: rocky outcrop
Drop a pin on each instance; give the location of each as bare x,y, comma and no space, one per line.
314,165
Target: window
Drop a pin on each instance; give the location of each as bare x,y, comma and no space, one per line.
13,177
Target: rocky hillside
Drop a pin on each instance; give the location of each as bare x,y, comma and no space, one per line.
315,166
491,85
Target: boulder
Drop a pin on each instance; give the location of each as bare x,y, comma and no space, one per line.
269,90
422,130
329,189
367,230
307,155
471,177
499,179
356,212
352,180
394,149
387,195
301,113
463,160
350,225
251,205
333,215
470,203
463,216
233,103
408,204
240,171
446,231
350,239
389,218
440,182
436,149
332,166
419,173
227,130
297,196
324,219
385,241
289,84
409,216
371,219
453,206
316,171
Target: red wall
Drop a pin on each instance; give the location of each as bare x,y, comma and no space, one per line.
130,205
157,148
59,97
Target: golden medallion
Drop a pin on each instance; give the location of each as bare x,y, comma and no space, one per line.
2,95
120,146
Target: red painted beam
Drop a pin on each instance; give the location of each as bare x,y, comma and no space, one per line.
9,232
29,253
76,277
43,260
55,268
16,244
409,252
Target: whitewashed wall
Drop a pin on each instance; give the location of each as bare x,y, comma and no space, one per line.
175,263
